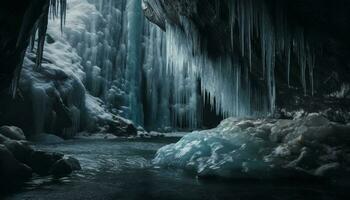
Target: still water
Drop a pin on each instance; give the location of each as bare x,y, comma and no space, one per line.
122,169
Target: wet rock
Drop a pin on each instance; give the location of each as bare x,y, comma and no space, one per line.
3,139
61,168
50,39
65,167
12,132
121,127
74,163
41,162
12,172
329,170
19,149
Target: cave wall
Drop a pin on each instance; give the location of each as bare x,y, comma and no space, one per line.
12,17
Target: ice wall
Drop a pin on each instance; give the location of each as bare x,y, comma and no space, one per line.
261,40
125,58
160,80
98,31
172,95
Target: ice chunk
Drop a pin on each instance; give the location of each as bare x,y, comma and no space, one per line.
235,150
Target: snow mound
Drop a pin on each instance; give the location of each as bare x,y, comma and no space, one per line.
262,149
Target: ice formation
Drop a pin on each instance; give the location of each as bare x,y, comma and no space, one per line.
107,35
262,149
59,86
224,79
57,8
227,79
60,77
122,53
133,59
161,80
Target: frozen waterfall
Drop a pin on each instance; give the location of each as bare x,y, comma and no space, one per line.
163,80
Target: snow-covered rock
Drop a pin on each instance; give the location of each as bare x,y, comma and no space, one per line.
100,120
12,132
56,94
261,149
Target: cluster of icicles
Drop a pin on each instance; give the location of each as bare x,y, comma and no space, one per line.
277,40
226,80
177,73
38,28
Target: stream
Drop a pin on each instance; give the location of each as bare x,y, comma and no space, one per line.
122,169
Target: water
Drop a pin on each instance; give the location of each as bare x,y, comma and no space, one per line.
122,169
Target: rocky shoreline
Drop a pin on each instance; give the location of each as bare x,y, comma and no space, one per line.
19,161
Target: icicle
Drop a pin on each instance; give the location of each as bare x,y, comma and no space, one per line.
288,65
41,38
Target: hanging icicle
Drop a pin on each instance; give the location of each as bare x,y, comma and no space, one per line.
38,28
226,79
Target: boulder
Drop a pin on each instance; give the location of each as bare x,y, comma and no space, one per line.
3,139
329,170
20,150
64,167
12,132
122,127
61,168
74,163
41,162
12,172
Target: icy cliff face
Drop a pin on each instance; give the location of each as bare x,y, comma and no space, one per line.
56,88
299,148
60,102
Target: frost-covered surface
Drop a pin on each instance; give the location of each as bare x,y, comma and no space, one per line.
106,35
57,89
298,148
38,29
57,82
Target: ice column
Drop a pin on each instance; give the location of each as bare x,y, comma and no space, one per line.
133,59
